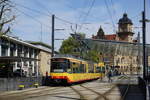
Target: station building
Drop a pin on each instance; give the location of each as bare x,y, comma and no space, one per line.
126,63
21,58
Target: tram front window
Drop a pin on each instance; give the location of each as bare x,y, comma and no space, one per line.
59,66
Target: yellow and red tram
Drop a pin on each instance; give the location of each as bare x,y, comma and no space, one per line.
71,70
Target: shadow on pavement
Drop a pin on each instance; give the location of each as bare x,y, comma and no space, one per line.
131,92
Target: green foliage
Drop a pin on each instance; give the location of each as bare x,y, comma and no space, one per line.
69,45
72,46
93,55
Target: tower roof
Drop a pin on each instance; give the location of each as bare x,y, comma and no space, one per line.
125,20
100,33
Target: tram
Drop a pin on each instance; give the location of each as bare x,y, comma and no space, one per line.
71,70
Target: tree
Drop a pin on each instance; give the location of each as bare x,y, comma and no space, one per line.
74,46
94,54
69,46
5,17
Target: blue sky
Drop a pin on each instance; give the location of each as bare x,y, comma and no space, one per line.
33,20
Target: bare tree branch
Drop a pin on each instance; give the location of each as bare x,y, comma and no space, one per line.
5,9
1,12
6,31
3,1
5,22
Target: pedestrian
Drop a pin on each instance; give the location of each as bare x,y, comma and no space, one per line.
109,76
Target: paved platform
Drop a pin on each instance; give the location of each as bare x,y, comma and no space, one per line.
95,90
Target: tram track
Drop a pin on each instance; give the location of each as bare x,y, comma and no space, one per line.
99,95
82,97
26,94
84,91
36,93
126,91
23,91
105,94
30,91
45,94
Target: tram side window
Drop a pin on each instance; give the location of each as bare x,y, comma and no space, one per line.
68,65
75,70
91,68
75,67
103,69
100,69
97,69
82,68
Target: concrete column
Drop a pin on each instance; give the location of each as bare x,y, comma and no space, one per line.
8,50
37,64
37,68
0,47
33,67
28,53
16,54
22,51
33,71
28,61
32,56
22,65
16,51
22,60
28,68
15,66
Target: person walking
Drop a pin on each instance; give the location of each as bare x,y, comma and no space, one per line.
109,76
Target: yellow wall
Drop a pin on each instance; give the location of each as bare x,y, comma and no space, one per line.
44,63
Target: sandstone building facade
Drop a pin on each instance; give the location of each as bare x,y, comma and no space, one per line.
126,64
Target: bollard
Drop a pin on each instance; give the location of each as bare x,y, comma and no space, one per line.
21,87
36,85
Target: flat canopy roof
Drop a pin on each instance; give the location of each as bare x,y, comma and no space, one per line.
13,59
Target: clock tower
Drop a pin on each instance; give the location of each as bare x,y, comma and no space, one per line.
125,32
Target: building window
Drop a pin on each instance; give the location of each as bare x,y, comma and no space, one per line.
20,50
35,54
4,47
12,49
30,53
4,50
25,51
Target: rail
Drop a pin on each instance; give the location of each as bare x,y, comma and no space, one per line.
82,97
99,95
24,94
